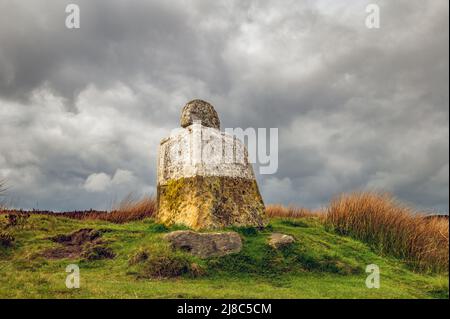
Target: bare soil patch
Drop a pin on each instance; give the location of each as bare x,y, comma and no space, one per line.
85,243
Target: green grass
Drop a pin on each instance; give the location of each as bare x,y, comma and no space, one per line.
320,264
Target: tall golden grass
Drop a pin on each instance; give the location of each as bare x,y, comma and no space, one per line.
132,208
277,210
392,228
129,209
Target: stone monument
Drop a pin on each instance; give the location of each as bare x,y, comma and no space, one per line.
205,180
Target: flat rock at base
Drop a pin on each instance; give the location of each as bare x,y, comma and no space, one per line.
205,245
278,240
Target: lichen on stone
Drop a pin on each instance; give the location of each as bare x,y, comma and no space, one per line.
205,180
211,202
202,111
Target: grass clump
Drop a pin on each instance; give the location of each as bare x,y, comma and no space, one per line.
16,220
246,231
440,291
6,240
138,257
392,228
97,252
163,263
132,208
248,263
166,266
294,223
158,228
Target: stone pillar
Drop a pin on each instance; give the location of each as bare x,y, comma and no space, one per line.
205,180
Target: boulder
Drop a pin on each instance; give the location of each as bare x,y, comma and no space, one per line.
278,240
205,245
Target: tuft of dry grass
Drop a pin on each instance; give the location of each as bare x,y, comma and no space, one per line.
280,211
128,209
393,228
6,240
132,208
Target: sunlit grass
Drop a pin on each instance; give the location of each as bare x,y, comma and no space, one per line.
385,224
320,264
393,228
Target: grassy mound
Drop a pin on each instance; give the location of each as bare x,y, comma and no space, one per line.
320,264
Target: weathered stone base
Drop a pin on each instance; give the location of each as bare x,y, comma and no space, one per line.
210,202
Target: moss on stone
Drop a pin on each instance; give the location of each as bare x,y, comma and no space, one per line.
210,202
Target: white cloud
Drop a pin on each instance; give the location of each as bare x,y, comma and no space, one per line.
123,177
97,182
100,182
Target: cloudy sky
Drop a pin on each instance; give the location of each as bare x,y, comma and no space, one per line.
82,110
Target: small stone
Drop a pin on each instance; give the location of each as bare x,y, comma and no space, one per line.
205,245
278,240
202,111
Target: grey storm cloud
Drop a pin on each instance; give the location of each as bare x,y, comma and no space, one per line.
82,110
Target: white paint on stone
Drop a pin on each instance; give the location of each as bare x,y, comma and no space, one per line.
202,151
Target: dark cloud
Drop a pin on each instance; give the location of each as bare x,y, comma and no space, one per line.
82,111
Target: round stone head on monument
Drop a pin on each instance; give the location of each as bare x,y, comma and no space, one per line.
201,111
